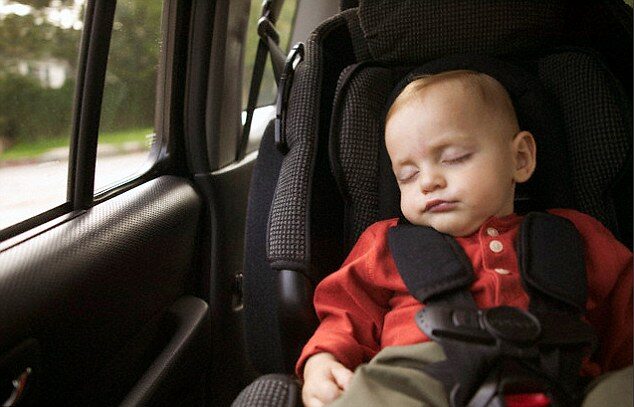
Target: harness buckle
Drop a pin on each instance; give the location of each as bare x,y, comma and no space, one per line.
509,328
511,324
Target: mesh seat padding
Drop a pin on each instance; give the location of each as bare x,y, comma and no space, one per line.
598,123
410,32
272,390
288,238
357,156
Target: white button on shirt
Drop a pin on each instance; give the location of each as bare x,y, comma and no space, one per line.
492,232
496,246
502,271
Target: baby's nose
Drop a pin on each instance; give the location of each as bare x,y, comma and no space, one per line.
431,181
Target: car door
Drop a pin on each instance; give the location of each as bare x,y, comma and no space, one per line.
102,255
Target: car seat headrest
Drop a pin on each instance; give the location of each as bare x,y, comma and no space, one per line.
410,32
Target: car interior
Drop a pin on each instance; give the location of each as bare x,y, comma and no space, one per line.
191,284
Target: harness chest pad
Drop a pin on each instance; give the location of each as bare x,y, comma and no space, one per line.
430,263
551,257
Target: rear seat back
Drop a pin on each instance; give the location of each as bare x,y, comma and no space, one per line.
335,179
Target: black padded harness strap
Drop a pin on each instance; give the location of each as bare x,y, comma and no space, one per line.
550,253
539,350
430,263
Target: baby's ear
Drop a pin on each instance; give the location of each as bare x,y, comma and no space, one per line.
525,158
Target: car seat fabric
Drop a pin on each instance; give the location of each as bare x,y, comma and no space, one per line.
406,33
354,149
598,123
312,213
270,390
289,246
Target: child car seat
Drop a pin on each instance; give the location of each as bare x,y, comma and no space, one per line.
308,206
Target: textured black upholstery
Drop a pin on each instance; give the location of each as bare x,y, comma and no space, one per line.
273,390
598,122
288,243
409,32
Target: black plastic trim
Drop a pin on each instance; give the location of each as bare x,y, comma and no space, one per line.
201,28
87,115
182,360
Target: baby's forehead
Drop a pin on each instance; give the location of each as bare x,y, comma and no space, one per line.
468,87
460,89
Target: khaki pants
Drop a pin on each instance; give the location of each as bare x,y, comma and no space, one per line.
393,378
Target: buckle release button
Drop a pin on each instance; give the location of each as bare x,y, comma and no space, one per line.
465,318
526,400
511,324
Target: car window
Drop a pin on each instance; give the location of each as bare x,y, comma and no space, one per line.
39,44
39,57
284,26
126,129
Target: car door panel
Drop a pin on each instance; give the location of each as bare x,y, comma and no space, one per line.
95,292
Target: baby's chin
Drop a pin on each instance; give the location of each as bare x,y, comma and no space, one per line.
448,226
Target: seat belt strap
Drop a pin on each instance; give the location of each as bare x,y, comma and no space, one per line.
268,44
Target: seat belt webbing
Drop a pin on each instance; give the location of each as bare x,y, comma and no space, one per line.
268,44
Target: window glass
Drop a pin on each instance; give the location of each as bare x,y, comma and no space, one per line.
126,133
39,42
284,25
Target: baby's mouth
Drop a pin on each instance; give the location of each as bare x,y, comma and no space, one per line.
438,205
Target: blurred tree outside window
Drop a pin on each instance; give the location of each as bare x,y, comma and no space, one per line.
284,25
126,132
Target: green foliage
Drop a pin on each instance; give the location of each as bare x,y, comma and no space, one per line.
130,91
29,113
30,110
32,38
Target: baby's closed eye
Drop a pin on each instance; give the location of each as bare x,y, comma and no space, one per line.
455,155
456,159
406,173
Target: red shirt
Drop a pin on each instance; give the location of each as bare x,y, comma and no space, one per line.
365,306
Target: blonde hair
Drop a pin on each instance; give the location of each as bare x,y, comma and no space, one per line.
490,92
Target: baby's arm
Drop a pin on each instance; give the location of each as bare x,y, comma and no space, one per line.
324,380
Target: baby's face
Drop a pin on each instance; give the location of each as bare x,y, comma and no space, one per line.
454,160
